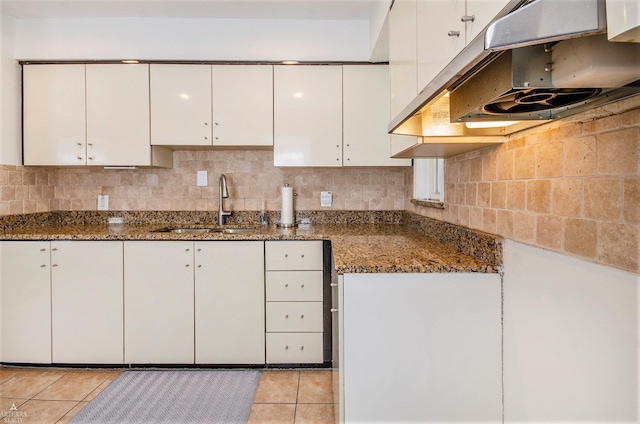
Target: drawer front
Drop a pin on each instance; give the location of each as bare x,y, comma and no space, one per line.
287,286
294,255
294,348
294,317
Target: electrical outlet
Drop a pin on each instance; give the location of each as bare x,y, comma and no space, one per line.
103,202
326,198
202,179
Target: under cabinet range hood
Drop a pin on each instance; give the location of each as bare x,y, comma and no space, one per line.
546,59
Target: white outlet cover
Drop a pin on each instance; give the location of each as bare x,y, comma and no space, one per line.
103,202
202,179
326,198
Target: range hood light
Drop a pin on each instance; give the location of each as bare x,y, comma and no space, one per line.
490,124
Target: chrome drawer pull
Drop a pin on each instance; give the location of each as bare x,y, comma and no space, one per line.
301,316
301,347
43,266
286,348
286,316
43,250
334,310
286,285
333,285
453,33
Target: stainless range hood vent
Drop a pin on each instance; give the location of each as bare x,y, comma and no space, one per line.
529,66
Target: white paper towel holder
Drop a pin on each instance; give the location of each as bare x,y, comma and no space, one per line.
290,224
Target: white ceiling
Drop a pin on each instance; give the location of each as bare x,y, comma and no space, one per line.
213,9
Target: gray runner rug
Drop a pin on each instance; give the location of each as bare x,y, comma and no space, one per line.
174,396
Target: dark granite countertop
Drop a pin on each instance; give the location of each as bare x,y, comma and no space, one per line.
357,247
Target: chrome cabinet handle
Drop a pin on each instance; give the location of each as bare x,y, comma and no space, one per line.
91,157
301,316
43,266
286,316
453,33
333,285
199,266
301,347
54,265
302,256
334,310
186,250
467,18
43,250
55,249
186,266
302,286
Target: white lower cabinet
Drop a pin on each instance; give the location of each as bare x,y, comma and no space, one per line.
294,307
229,302
421,348
294,348
87,302
159,302
26,301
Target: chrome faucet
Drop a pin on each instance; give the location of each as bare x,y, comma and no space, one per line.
223,194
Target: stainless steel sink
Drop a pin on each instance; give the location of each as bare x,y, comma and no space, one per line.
177,230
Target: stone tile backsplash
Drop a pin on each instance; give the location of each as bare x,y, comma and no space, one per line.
572,186
251,178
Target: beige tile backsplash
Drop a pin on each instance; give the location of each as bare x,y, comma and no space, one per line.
572,186
251,178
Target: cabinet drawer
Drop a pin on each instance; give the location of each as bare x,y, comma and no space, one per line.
292,317
294,255
292,348
290,286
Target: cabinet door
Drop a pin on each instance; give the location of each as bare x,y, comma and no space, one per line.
26,301
402,54
229,311
366,115
118,115
437,45
54,114
159,305
483,12
180,105
307,115
439,338
243,105
87,302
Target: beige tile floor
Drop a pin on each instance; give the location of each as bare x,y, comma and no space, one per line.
48,396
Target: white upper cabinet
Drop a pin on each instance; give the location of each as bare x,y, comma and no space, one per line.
307,115
440,36
366,113
402,54
181,105
445,27
483,12
54,115
88,115
118,115
243,105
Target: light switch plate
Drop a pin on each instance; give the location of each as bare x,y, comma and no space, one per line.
326,198
202,179
103,202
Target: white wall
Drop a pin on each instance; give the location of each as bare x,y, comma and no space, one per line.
570,339
10,95
193,39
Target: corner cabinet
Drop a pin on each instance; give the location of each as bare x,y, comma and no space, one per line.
307,115
94,114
